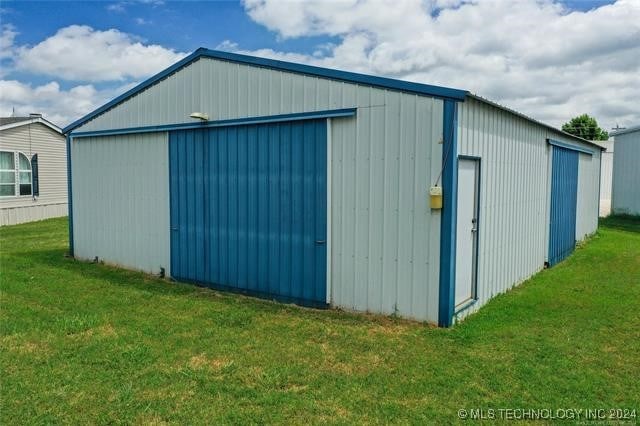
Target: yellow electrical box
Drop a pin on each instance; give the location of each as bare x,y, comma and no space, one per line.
436,197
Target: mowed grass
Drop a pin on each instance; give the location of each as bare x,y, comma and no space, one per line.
88,343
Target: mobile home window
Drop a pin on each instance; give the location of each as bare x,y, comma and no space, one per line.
16,176
7,174
25,174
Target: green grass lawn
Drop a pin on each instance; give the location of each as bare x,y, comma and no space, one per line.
87,343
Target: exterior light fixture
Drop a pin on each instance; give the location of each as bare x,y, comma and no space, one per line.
200,116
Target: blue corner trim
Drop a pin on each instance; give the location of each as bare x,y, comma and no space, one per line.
569,146
345,112
369,80
69,196
449,209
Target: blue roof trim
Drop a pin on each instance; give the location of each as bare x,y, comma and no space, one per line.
352,77
369,80
569,146
332,113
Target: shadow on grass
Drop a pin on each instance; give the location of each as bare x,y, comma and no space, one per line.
621,222
84,270
87,270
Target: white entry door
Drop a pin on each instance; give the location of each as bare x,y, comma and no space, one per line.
467,230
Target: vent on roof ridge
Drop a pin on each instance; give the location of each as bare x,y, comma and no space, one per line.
35,115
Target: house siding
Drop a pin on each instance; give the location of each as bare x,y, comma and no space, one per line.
50,146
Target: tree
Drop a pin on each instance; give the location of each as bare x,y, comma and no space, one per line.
585,127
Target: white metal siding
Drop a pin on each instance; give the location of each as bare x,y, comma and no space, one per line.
588,202
606,176
606,183
514,194
385,239
52,171
226,90
626,174
121,200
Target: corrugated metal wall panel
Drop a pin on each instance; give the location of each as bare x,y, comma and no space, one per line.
564,195
248,208
235,91
606,183
385,255
514,194
121,200
626,174
588,201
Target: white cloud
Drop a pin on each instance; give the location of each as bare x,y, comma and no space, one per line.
7,36
80,53
121,6
116,7
532,55
57,105
142,21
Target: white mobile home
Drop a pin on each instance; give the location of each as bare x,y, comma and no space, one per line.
33,170
313,185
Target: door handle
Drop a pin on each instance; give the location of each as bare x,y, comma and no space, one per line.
320,242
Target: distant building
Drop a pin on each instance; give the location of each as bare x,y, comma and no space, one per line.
606,177
33,170
626,173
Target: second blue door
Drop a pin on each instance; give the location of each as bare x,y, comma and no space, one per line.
564,198
248,209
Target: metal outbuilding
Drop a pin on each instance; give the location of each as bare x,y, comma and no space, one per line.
625,193
312,185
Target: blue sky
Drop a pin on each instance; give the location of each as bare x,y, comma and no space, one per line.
183,26
420,41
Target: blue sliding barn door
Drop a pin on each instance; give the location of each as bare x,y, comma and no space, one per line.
564,198
248,209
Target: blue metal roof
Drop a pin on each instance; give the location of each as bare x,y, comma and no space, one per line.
369,80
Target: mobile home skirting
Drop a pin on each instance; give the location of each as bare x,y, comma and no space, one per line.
23,214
